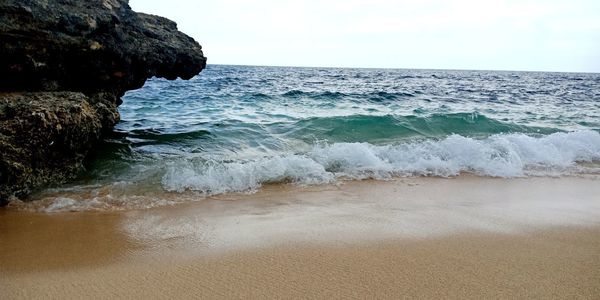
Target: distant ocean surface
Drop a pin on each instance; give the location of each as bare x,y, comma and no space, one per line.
235,128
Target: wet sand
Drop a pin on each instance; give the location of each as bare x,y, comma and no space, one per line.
467,237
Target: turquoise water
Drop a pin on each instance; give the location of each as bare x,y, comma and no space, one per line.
234,128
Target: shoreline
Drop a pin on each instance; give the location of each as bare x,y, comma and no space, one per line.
464,237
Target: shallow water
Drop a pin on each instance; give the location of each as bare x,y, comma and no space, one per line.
235,128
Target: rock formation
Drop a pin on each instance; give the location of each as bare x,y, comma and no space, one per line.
64,65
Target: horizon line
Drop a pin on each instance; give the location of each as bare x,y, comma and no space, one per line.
402,68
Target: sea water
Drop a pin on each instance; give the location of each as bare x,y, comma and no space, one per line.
236,128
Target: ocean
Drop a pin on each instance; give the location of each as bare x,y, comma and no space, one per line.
236,128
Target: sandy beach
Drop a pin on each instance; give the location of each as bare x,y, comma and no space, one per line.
466,237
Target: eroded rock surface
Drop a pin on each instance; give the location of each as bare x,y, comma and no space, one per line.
64,64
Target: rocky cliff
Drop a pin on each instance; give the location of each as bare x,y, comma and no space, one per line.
64,65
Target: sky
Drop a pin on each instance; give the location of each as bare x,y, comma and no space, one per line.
528,35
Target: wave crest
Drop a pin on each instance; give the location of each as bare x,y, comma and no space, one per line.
501,155
366,128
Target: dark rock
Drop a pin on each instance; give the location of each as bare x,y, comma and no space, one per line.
96,50
89,46
43,138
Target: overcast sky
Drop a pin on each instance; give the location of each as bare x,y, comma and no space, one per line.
460,34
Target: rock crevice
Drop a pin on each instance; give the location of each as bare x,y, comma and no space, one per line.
64,64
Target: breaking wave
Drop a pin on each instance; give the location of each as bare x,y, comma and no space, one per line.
500,155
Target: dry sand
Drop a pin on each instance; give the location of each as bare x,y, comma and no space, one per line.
467,237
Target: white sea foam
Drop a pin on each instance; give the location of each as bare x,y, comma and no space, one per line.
216,178
59,204
503,155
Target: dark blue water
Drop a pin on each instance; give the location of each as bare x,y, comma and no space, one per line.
234,128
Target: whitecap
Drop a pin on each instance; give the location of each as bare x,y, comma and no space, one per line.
501,155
